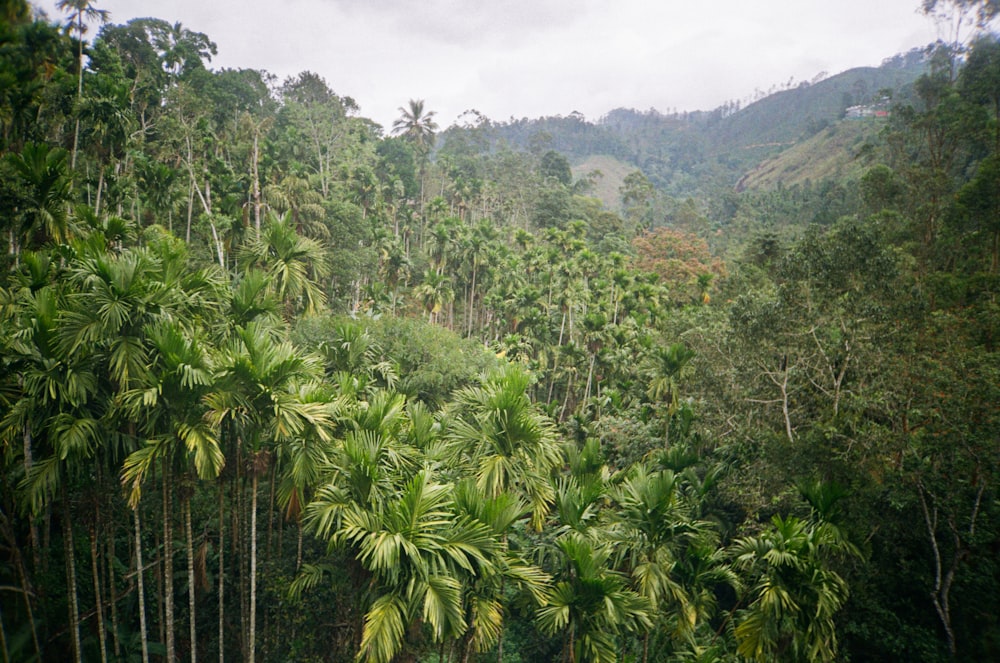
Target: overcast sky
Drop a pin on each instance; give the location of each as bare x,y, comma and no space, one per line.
530,58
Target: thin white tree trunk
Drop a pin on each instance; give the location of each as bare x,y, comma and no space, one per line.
112,596
192,621
79,85
74,605
140,585
298,554
100,187
590,377
222,575
168,567
256,182
253,568
101,631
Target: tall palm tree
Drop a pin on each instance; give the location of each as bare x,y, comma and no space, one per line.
42,169
117,300
795,595
654,526
416,124
590,602
666,367
485,591
434,291
257,393
56,413
292,262
78,10
170,413
418,550
510,445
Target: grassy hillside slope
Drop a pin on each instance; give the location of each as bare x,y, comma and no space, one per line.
606,187
833,153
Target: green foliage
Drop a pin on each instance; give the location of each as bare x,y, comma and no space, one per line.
530,433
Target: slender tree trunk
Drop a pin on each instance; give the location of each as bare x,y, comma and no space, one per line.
168,566
187,233
3,641
942,580
253,568
298,553
73,598
192,621
160,593
240,550
281,533
22,575
590,376
270,515
101,631
256,182
222,575
36,563
139,572
100,187
552,376
79,85
112,592
46,537
566,398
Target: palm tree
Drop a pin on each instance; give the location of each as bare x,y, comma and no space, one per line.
667,366
114,297
417,549
56,414
78,9
591,603
120,309
509,443
109,120
43,217
170,412
795,595
435,291
367,466
257,393
485,591
416,124
292,262
654,528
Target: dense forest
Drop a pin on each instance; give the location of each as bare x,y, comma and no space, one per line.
278,383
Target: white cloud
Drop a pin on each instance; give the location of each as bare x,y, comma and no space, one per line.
525,58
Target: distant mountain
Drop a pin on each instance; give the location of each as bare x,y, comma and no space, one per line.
790,116
692,153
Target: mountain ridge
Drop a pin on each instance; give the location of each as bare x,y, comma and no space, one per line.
686,154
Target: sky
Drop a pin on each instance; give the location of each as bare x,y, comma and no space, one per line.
532,58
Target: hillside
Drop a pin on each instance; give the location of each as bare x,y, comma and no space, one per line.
692,154
830,154
606,187
789,116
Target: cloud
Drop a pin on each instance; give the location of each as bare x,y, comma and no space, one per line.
461,22
526,58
